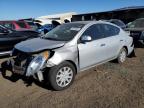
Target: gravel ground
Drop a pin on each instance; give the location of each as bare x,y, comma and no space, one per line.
107,86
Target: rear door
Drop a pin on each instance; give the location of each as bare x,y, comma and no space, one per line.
112,40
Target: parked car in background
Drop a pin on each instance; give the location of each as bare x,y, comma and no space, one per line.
48,27
9,37
118,23
68,49
15,25
31,23
136,29
45,28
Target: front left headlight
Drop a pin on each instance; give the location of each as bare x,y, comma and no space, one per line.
37,63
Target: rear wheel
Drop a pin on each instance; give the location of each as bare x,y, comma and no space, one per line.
122,55
61,76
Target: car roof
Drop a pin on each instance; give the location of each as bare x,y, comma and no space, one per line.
93,22
89,22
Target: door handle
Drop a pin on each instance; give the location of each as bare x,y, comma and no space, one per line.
102,45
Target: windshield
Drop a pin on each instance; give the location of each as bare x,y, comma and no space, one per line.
139,23
64,32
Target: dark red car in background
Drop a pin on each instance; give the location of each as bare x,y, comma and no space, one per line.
15,25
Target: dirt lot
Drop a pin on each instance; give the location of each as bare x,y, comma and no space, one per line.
107,86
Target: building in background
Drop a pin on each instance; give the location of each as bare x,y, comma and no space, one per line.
56,17
126,14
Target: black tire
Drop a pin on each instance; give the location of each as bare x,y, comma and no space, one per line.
53,74
119,56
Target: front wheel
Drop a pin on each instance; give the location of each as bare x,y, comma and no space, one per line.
62,76
122,55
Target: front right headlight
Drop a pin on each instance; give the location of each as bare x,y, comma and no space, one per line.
37,63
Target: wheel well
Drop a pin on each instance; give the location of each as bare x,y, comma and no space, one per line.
126,48
73,64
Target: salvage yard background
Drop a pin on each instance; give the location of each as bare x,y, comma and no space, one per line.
107,86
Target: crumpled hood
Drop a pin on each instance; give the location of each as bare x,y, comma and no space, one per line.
38,44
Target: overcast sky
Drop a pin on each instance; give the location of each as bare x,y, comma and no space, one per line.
15,9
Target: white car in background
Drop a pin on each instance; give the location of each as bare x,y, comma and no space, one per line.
69,49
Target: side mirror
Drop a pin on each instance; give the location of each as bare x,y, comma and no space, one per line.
86,38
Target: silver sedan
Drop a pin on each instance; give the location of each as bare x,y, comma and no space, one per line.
71,48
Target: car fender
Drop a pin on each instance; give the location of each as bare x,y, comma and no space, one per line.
64,54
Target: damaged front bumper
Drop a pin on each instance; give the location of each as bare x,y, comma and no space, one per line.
28,65
28,70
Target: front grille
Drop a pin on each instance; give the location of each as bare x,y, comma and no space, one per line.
135,34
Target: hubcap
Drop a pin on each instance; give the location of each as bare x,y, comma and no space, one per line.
64,76
122,56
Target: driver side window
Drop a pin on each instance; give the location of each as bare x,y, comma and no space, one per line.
94,31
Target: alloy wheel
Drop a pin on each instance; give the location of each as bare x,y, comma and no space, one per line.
64,76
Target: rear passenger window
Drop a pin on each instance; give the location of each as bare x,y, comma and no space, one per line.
110,30
94,31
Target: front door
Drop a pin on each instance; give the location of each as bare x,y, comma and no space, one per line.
91,53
